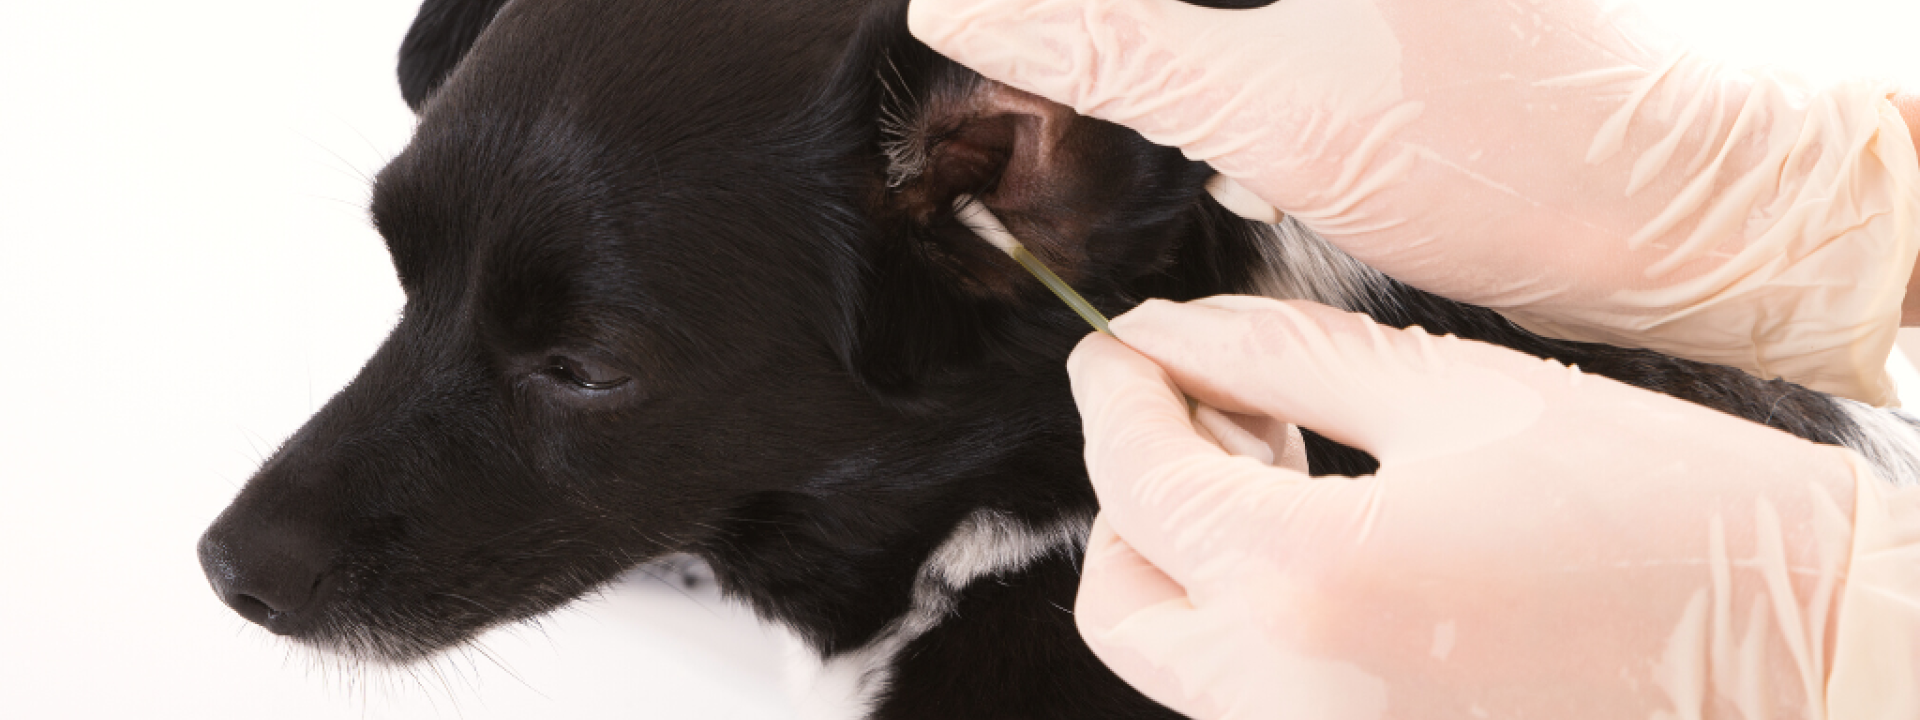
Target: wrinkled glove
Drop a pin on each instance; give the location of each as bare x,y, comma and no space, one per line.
1554,160
1538,543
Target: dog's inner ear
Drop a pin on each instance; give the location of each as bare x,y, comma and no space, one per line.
1103,208
978,137
1056,179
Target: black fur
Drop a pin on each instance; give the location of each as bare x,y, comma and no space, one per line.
661,298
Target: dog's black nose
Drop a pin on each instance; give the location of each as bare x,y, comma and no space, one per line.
270,576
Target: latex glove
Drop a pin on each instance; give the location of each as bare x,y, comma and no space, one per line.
1554,160
1538,543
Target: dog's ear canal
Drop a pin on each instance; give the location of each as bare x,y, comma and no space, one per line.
1056,179
941,297
442,33
972,136
1096,203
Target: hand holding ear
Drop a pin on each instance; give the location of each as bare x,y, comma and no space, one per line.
1537,542
1557,161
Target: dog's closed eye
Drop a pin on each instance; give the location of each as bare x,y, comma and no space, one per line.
584,374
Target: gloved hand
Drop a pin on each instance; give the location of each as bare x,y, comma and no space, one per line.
1554,160
1537,542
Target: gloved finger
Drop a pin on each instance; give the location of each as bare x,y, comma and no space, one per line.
1052,48
1116,582
1399,394
1116,60
1214,661
1121,597
1177,498
1231,4
1268,440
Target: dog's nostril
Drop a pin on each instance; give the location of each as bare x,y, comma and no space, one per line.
270,575
251,608
283,613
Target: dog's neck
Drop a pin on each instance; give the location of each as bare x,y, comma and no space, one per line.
986,544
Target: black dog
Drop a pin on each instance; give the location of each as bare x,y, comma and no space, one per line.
681,277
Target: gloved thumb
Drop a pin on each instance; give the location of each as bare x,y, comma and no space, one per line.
1174,493
1053,48
1205,661
1120,589
1403,395
1124,61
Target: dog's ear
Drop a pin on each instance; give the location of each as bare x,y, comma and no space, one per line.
1092,200
441,34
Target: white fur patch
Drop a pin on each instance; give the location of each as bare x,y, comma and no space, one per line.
986,543
1301,265
1888,439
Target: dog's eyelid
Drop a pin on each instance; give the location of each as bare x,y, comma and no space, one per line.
585,374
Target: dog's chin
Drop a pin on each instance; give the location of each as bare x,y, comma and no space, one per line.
399,633
391,641
359,660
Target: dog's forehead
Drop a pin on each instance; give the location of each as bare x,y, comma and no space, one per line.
564,107
658,85
611,149
660,63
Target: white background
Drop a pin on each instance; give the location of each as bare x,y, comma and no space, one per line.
186,272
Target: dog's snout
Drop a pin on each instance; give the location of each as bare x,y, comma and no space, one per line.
275,579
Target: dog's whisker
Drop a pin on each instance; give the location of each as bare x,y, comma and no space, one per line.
358,207
481,648
380,156
345,166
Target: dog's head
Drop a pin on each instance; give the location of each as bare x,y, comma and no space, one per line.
683,275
